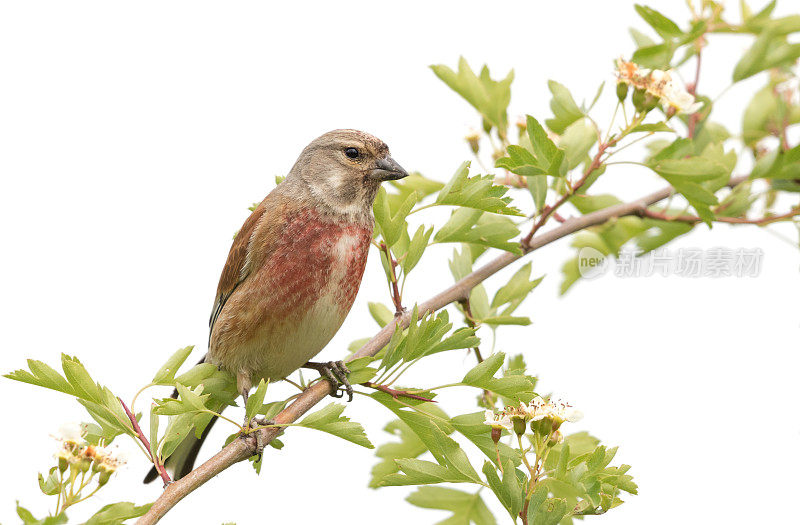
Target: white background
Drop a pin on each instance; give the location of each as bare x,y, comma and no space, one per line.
133,138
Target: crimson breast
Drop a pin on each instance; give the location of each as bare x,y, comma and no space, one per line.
314,259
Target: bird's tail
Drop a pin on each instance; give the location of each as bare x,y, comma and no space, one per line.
181,461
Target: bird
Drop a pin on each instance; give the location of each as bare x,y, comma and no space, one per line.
294,269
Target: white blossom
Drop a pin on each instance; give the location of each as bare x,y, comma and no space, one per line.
661,84
501,420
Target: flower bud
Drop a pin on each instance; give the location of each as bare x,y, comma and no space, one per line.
473,139
104,477
555,438
519,425
522,125
650,101
496,433
622,91
638,99
542,426
62,464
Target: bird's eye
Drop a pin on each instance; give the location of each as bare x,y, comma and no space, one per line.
351,153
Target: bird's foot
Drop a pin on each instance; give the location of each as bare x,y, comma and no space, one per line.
255,424
336,373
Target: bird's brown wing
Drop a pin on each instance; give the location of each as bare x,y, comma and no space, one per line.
239,263
253,244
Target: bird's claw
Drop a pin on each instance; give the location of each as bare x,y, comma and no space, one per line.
261,443
336,373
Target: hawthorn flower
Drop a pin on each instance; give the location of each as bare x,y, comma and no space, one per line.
112,462
546,416
498,421
660,84
671,92
633,74
72,446
70,433
560,411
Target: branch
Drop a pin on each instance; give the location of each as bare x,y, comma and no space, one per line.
731,220
551,210
243,448
156,463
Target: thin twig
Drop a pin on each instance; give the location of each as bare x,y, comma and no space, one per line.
395,393
694,118
243,448
397,299
153,457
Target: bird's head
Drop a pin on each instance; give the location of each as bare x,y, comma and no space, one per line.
344,169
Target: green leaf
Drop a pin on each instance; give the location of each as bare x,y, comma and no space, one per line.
778,165
421,472
509,490
662,25
565,110
762,115
476,192
516,290
577,140
472,427
166,374
768,51
118,513
42,375
694,169
655,57
427,421
516,387
178,429
416,248
641,39
409,446
545,511
489,97
196,375
544,149
652,128
414,183
466,508
50,486
380,313
589,203
538,188
472,226
392,225
521,161
190,400
484,371
330,420
153,434
255,400
28,519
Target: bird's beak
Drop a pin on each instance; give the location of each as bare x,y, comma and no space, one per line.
387,169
